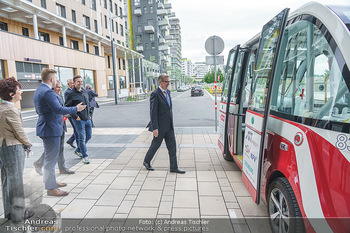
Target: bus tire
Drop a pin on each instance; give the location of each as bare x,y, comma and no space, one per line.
227,156
280,191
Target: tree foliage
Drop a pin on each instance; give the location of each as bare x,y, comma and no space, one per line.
210,76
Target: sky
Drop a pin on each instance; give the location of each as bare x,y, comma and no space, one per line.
235,21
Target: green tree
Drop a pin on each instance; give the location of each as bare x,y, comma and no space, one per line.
210,76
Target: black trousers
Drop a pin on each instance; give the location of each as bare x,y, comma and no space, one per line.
169,137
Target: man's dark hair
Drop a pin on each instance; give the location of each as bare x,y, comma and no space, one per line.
162,77
76,77
8,86
46,74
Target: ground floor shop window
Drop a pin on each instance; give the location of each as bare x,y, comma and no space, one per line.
88,76
2,69
29,72
63,74
110,83
122,82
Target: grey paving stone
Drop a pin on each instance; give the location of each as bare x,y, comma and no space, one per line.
112,197
185,199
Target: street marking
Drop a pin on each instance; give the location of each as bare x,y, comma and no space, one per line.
136,145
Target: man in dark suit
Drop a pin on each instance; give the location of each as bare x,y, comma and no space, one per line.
50,126
93,104
162,124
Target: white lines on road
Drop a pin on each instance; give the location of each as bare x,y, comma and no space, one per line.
29,118
138,145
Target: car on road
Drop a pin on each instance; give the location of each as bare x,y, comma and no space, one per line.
181,89
197,90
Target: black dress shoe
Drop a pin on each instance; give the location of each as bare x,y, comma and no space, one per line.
148,166
71,144
67,171
38,169
177,171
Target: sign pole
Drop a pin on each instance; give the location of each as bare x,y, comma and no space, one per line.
216,104
214,45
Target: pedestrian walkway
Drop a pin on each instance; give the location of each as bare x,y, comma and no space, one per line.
115,187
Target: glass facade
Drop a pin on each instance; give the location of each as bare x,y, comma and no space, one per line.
88,76
122,82
2,70
63,74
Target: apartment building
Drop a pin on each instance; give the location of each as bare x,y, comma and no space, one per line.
175,46
71,36
187,67
148,32
200,69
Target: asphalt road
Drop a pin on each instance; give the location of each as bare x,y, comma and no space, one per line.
188,112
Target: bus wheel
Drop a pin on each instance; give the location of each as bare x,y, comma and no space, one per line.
283,209
227,156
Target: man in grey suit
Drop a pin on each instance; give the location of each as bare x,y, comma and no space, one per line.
162,124
50,126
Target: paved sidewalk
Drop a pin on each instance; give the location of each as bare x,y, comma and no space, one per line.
115,185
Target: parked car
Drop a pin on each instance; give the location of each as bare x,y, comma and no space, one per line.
198,90
181,89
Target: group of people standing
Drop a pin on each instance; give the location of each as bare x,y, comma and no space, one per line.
51,128
53,112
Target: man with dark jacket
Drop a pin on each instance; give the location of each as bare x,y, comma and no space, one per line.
93,104
71,140
162,124
81,120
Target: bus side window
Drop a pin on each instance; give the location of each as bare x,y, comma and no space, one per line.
310,80
248,80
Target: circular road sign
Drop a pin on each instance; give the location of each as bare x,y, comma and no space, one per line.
218,42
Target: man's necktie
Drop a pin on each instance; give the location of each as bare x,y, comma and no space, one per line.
167,98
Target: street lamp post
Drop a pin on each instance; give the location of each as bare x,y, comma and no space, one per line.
113,56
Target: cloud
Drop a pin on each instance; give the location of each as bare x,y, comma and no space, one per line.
234,21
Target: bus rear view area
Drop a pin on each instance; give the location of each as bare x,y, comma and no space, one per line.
284,118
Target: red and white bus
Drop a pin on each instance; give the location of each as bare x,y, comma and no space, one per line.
285,118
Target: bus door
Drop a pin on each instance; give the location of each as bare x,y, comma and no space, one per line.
226,92
259,103
235,127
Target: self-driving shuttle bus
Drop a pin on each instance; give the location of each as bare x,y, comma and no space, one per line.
285,118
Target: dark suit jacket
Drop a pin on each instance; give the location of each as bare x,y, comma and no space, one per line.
160,111
92,95
50,111
66,93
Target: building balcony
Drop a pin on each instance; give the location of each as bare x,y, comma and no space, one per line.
149,29
167,6
161,41
162,12
171,14
162,57
139,48
160,5
138,12
168,37
163,22
163,47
